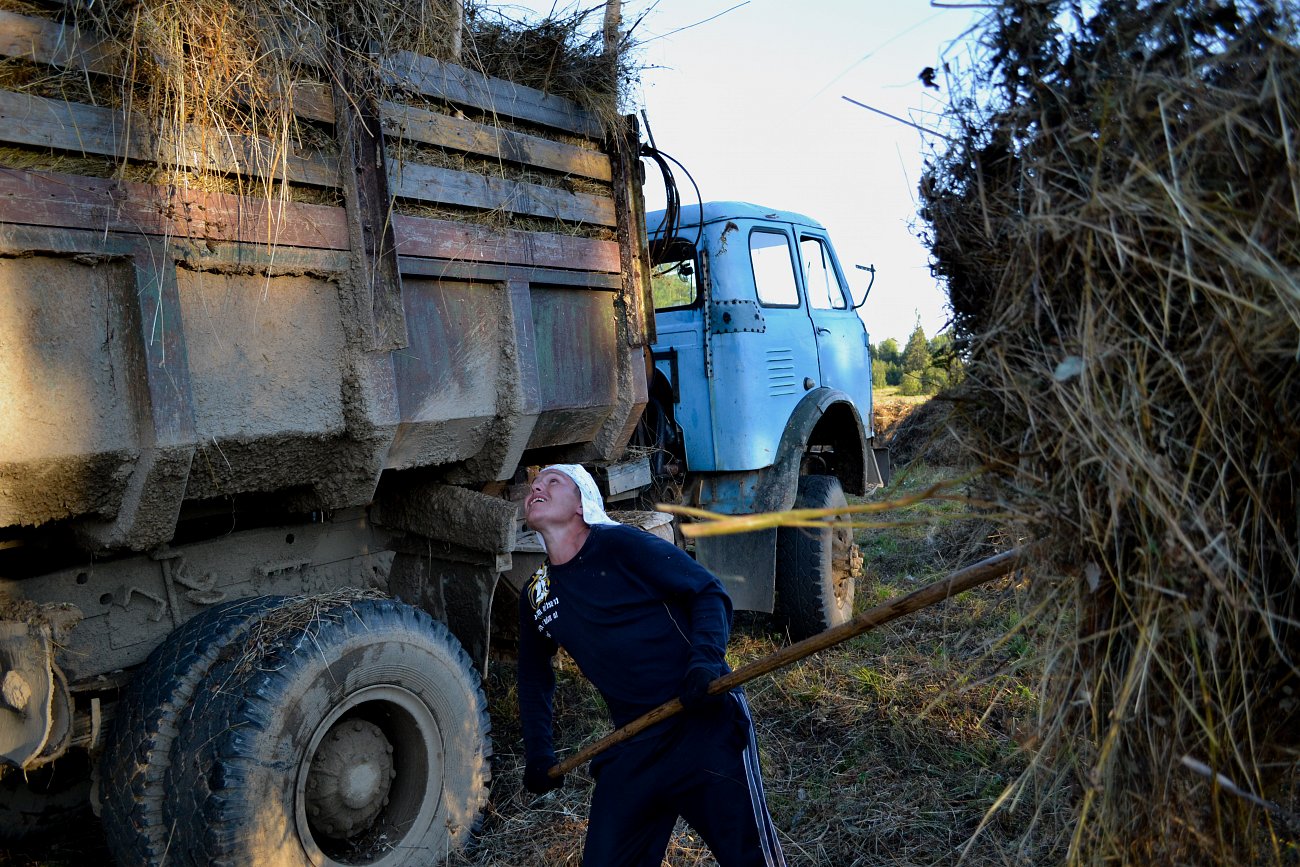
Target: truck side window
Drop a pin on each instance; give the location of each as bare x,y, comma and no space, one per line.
773,269
672,274
824,290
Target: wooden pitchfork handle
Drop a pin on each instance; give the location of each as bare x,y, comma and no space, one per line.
961,580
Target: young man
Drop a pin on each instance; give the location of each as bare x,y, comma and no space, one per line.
645,623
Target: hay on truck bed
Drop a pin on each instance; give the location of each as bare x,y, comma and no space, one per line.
1118,223
237,98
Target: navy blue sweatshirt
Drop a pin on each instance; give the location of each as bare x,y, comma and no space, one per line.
635,612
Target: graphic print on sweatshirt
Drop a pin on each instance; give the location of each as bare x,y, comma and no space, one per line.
545,608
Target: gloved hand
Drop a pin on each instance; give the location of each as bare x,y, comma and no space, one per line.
536,779
694,689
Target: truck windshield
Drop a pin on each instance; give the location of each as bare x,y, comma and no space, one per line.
672,277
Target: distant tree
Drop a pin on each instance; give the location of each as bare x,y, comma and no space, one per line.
916,360
917,354
940,345
884,363
672,288
945,365
934,379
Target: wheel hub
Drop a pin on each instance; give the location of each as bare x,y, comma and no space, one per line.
350,778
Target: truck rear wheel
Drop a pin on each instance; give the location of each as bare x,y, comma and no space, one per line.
355,733
815,568
156,704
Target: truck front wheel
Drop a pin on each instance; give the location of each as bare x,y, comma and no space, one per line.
352,733
815,569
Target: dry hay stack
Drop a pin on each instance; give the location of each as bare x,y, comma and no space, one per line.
202,59
1118,220
887,412
929,432
215,77
562,55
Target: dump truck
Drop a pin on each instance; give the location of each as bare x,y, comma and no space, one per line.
267,409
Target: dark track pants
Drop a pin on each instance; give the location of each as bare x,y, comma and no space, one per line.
704,770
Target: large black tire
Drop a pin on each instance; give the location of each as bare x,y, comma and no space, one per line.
353,733
154,707
814,568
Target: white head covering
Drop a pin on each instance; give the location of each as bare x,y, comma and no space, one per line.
593,506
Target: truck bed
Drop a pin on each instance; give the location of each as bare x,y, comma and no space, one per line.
162,346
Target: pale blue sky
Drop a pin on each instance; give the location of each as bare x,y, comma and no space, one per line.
751,103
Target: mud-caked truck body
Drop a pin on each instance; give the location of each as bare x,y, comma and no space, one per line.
258,440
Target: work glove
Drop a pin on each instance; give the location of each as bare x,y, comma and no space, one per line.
694,689
536,780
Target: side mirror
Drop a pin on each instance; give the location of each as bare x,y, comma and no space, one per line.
858,302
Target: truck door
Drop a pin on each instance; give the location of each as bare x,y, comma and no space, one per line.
842,350
773,369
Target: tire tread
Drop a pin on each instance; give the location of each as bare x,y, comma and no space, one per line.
804,569
152,711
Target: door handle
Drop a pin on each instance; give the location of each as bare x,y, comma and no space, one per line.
821,330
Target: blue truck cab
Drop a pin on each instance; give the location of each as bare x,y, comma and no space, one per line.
760,397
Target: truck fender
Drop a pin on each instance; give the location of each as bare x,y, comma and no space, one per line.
451,544
746,562
776,489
